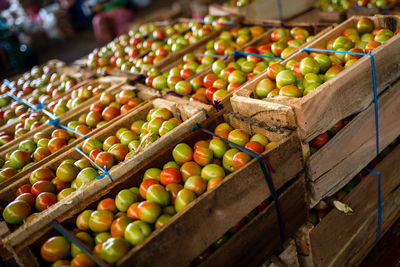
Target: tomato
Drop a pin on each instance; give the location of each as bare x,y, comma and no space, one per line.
45,200
240,159
101,220
26,188
255,147
118,226
82,260
196,184
170,175
107,204
114,248
188,169
145,185
16,211
131,212
320,140
55,248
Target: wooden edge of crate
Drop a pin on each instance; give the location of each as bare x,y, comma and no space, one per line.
367,233
24,235
357,139
269,9
326,242
273,114
244,190
328,183
218,10
259,238
289,255
331,16
322,102
273,134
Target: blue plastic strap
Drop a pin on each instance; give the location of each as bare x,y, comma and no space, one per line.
216,104
67,234
54,122
379,227
237,54
105,173
38,107
266,169
73,131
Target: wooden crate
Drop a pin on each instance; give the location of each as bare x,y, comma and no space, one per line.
243,190
334,100
260,237
261,9
146,95
339,160
28,231
318,30
344,240
331,16
114,82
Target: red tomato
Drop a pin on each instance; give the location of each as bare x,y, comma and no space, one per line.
170,176
320,140
145,185
254,146
107,204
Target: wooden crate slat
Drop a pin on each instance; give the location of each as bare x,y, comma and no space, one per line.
346,154
260,237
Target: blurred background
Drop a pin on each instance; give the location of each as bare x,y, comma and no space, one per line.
35,31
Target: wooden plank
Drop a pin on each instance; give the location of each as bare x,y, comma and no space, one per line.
260,237
303,244
27,231
334,100
331,167
264,9
367,235
273,134
334,231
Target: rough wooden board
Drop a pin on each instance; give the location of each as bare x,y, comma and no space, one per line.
289,255
273,134
391,213
335,99
334,231
274,114
260,237
354,146
303,244
244,190
265,9
34,227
